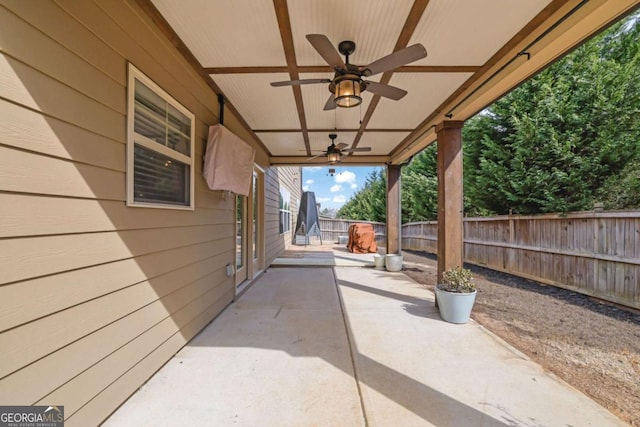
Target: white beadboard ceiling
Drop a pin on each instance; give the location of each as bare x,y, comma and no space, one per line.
428,91
473,36
381,142
222,33
283,143
243,45
373,25
251,93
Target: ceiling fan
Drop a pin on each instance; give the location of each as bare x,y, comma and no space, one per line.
334,151
347,83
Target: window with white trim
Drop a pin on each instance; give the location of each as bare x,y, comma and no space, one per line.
160,135
285,210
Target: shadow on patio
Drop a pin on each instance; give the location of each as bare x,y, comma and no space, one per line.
350,346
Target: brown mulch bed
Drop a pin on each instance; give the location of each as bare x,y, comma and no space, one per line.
592,345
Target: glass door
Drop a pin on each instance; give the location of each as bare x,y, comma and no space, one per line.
249,234
257,245
241,239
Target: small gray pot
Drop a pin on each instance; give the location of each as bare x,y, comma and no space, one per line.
455,307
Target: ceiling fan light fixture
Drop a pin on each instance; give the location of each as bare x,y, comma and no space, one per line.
333,158
347,93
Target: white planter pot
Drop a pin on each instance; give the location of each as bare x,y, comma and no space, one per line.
393,262
455,307
378,262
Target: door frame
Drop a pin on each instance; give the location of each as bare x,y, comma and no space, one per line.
257,227
253,246
241,272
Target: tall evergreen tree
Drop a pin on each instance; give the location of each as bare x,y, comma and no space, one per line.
553,142
419,182
369,203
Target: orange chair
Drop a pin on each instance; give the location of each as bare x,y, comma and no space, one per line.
362,239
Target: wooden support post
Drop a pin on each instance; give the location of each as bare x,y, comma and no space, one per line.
450,229
394,210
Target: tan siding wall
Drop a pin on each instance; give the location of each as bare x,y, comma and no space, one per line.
275,178
96,296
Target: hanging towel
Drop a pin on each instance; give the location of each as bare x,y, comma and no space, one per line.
228,161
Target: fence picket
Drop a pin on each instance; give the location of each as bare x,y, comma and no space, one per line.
596,253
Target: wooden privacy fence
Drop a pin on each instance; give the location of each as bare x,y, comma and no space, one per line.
331,229
594,253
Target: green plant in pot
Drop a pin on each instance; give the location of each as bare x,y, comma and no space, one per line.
456,295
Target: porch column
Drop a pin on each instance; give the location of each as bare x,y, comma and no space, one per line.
394,209
450,243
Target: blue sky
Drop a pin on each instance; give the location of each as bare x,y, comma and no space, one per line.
334,191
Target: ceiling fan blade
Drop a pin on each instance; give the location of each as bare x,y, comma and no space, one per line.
321,43
397,59
330,104
300,82
341,146
353,150
315,157
387,91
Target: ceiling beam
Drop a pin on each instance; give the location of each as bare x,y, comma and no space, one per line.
328,69
284,24
247,70
437,69
333,130
321,161
409,27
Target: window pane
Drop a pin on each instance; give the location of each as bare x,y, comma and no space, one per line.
160,121
158,178
150,114
255,216
179,129
284,201
239,232
178,142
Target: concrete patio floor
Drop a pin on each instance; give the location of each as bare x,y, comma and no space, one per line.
350,346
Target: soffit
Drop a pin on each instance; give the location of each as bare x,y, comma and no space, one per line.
428,91
373,25
262,105
462,32
222,33
475,54
381,143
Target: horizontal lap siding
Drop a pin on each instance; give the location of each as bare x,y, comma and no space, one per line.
275,178
274,243
96,296
53,293
136,309
53,137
